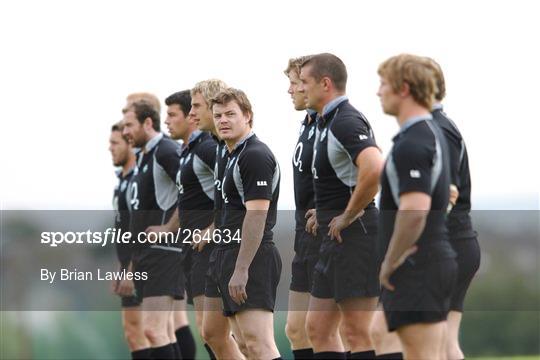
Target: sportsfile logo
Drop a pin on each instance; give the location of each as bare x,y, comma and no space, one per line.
262,183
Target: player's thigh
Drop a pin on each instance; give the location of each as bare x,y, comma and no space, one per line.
322,311
157,310
426,337
359,311
298,306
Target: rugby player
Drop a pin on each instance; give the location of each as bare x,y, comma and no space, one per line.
247,263
153,196
463,238
346,168
419,269
216,330
124,157
306,245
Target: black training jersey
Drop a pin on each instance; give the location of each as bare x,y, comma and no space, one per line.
459,220
418,162
153,192
222,156
304,194
122,209
252,173
195,181
342,134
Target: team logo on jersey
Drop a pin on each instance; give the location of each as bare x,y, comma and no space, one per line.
123,186
363,137
415,174
145,168
323,134
311,132
262,183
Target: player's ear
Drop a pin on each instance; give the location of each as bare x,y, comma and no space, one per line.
326,83
147,124
405,90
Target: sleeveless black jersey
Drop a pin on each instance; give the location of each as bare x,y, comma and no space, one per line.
342,134
459,220
122,210
304,194
252,173
195,181
153,192
418,162
222,156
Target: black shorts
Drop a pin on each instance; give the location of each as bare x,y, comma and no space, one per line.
264,274
349,269
211,289
164,271
306,247
130,301
422,293
468,261
195,267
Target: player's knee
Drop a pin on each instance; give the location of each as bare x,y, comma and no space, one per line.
295,332
357,334
256,346
318,334
155,334
212,335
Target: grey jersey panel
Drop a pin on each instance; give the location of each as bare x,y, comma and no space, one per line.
165,189
205,175
341,161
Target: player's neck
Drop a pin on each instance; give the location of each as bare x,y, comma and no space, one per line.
130,163
231,143
331,96
409,110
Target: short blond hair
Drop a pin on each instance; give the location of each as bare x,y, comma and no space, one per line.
439,79
146,97
414,71
295,64
208,89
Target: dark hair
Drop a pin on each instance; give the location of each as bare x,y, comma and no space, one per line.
117,127
182,99
328,65
144,110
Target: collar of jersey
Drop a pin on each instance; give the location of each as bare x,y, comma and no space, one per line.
412,121
153,142
193,137
437,106
310,114
328,108
119,172
242,141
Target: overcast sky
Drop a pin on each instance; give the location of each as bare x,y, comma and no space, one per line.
66,67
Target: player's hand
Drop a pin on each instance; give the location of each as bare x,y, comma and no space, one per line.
312,225
114,286
125,288
387,268
341,222
237,286
206,233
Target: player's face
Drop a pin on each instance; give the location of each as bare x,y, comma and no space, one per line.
177,123
231,124
119,148
389,99
298,98
133,129
311,88
200,112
